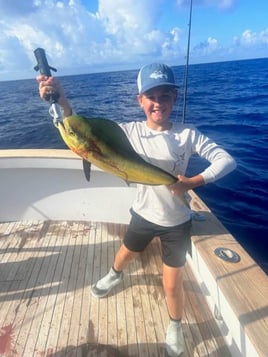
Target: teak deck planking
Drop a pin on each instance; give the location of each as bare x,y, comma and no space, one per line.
46,309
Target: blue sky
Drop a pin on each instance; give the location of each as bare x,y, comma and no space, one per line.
84,36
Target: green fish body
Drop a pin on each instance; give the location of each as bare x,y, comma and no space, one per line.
103,143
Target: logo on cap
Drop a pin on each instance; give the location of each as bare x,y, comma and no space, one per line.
158,74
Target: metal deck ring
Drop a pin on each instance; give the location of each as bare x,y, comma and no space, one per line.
227,255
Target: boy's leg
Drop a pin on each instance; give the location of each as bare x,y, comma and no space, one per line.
115,275
174,242
173,287
123,257
137,237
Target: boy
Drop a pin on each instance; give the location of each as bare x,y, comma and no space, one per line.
159,210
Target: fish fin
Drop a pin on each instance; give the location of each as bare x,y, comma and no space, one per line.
87,169
113,136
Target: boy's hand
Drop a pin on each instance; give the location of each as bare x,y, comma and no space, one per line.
51,85
186,183
48,86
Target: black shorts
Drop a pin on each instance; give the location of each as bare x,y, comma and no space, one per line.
175,241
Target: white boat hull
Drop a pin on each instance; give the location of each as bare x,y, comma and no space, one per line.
55,188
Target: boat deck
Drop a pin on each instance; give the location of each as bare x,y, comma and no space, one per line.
46,309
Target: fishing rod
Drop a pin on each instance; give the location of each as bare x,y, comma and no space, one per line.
52,98
187,65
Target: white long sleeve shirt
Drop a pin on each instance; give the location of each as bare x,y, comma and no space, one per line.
171,150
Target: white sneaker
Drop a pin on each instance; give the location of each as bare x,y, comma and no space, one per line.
106,284
174,339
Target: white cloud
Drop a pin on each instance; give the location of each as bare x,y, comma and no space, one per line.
206,48
130,16
65,29
249,38
75,37
116,35
17,8
249,41
252,42
227,4
221,4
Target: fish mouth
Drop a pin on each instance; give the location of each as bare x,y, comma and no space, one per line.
66,130
60,125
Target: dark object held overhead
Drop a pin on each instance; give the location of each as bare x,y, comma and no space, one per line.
42,64
44,68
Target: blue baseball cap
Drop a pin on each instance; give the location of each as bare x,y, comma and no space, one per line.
154,75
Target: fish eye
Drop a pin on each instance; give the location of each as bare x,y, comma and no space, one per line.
70,132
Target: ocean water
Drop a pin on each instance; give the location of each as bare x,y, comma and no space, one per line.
227,101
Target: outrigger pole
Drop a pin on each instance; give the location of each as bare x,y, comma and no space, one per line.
187,65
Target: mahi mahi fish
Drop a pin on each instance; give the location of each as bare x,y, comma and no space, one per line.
103,143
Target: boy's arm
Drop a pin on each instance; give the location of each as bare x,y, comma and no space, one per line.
48,85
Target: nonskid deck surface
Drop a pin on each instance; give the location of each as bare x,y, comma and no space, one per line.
46,309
